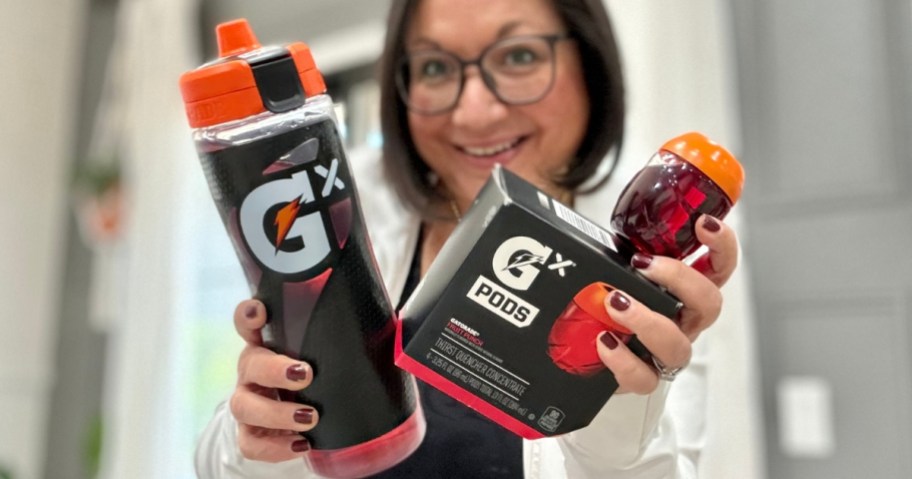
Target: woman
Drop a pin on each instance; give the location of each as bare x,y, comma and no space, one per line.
453,106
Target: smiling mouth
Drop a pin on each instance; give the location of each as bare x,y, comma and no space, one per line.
487,151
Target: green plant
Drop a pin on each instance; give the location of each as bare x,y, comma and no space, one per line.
5,473
92,178
92,444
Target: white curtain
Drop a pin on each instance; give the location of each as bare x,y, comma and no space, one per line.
154,44
680,72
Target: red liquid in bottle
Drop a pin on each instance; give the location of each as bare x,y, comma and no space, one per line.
658,210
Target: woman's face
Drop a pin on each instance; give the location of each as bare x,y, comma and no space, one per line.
537,140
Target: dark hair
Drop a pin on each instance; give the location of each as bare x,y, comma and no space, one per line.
588,23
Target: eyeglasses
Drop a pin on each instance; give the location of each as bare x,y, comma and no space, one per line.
518,70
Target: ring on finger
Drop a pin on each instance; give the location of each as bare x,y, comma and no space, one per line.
665,373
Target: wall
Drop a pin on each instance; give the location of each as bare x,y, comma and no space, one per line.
75,398
826,94
40,54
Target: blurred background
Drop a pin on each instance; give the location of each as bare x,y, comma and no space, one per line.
119,283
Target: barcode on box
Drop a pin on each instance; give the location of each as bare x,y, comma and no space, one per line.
588,228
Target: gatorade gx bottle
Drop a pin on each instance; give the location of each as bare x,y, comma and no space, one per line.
266,135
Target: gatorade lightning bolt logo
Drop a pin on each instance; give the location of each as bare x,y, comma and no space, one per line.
269,240
284,219
524,259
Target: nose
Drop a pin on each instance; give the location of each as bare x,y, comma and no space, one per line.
477,108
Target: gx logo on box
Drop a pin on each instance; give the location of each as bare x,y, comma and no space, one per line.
517,262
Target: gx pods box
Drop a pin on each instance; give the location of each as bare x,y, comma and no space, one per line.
507,317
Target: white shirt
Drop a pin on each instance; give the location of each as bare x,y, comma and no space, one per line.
659,435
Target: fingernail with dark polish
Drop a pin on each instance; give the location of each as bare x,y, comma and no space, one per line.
250,311
619,301
305,415
300,446
710,224
609,341
641,260
296,372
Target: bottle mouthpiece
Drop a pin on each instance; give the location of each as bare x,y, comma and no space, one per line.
236,37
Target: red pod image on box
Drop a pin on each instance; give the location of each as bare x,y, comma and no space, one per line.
269,146
571,344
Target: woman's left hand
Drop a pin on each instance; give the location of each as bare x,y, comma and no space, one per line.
669,341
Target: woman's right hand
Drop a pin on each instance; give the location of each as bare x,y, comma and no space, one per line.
268,428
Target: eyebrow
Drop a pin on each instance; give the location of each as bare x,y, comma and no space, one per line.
504,31
507,28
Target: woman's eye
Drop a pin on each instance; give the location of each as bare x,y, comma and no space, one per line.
520,56
433,69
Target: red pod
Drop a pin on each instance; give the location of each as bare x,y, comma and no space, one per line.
689,176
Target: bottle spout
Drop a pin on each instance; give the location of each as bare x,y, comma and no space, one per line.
236,37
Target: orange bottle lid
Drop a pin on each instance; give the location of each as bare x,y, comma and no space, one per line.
712,159
226,90
591,299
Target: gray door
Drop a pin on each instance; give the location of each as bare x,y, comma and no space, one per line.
826,90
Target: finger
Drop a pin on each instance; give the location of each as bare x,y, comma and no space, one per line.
260,444
258,365
660,335
249,318
700,295
720,261
253,409
630,372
